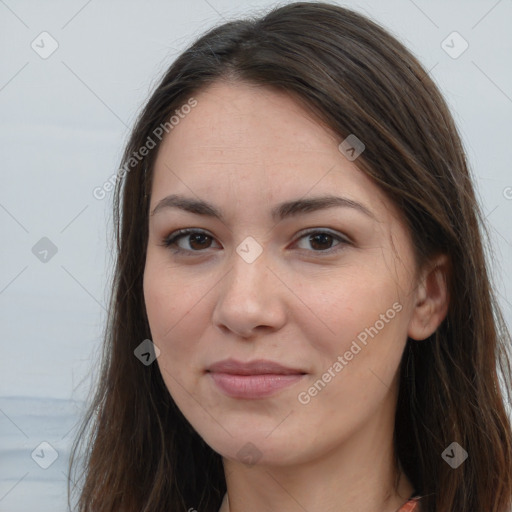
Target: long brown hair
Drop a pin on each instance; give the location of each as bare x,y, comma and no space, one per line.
139,452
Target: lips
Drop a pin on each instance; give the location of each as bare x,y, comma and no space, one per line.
257,367
253,380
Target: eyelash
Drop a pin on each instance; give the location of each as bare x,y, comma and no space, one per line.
171,240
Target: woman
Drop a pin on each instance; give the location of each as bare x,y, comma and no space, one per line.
302,317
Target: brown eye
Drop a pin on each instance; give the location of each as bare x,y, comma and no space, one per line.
198,241
323,241
194,239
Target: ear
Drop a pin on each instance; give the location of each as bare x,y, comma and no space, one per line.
432,299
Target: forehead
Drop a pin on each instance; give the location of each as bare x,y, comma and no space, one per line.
247,140
248,122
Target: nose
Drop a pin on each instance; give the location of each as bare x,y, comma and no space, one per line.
252,298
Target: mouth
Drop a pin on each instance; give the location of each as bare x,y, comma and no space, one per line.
253,380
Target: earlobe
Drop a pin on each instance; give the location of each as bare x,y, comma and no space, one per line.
432,299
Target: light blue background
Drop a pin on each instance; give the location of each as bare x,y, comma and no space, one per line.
63,124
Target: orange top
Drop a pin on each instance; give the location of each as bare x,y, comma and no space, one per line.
411,505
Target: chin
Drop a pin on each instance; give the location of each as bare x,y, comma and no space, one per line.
255,448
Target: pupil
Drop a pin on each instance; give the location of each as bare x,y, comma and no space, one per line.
323,237
195,237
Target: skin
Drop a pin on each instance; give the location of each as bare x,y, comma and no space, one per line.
245,148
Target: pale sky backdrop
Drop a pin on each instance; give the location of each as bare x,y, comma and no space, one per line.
64,120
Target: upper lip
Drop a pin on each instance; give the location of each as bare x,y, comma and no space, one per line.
256,367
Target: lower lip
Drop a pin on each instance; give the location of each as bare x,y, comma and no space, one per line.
253,386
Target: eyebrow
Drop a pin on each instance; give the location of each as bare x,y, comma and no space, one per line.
278,213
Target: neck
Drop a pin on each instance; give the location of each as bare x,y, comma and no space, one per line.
378,500
358,474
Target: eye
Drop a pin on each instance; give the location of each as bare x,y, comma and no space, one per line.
320,240
196,239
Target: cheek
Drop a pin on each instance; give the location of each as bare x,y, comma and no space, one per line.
167,297
160,301
364,322
359,357
175,314
359,305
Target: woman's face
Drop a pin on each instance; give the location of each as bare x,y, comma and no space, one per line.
325,289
